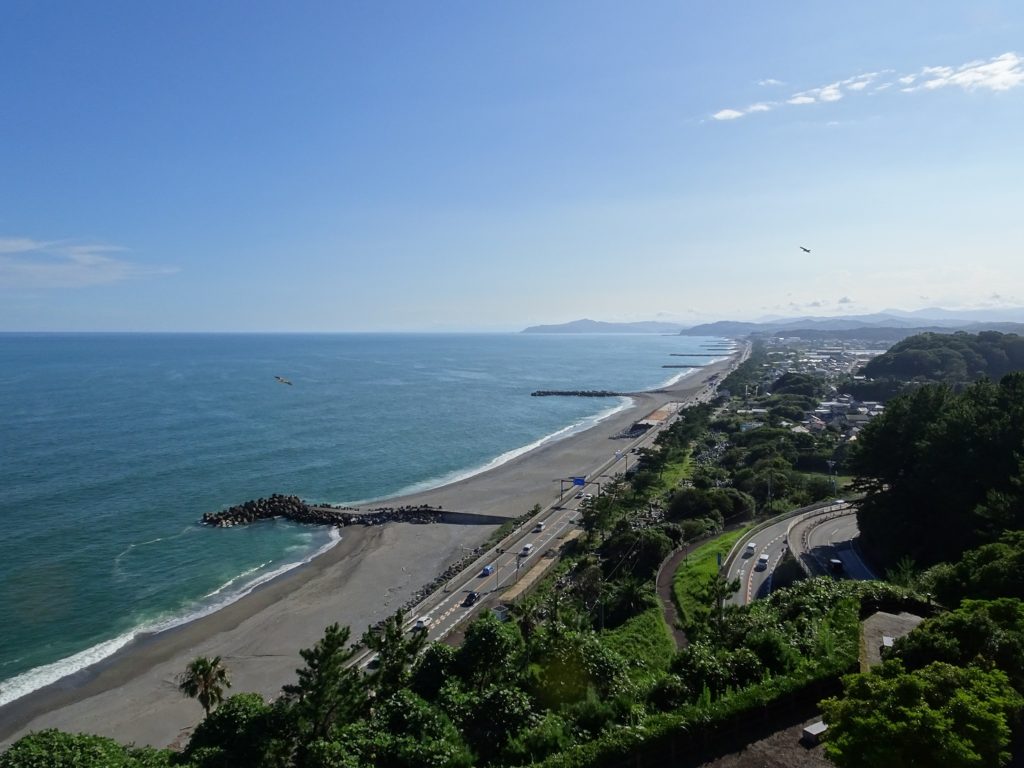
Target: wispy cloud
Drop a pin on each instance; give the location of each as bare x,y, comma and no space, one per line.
770,81
997,74
26,262
1000,73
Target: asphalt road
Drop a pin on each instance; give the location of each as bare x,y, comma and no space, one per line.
445,609
814,537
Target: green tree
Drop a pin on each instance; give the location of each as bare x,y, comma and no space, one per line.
942,471
990,571
992,630
205,680
940,715
491,653
396,651
51,748
329,690
243,730
435,665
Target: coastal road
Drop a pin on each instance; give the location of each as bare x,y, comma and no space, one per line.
814,536
446,609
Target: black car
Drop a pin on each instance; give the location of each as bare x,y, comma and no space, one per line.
471,598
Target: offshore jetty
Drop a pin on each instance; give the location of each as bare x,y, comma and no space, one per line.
577,393
295,509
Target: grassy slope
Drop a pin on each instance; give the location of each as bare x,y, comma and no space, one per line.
644,641
689,587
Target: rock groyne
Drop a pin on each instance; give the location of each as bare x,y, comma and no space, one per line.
576,393
295,509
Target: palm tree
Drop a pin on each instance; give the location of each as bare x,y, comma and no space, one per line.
205,680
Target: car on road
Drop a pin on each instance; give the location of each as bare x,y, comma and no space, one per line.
538,527
487,570
835,565
751,549
526,550
471,599
762,562
422,624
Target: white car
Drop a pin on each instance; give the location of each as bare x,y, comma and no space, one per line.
422,624
751,549
762,562
526,550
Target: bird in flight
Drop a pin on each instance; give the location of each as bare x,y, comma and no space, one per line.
282,380
805,250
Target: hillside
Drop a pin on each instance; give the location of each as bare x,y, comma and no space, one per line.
951,358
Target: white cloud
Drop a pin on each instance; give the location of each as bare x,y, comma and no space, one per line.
19,244
830,93
770,81
25,262
1000,73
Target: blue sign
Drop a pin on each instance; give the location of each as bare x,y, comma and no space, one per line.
579,481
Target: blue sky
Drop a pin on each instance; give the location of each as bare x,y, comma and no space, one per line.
344,166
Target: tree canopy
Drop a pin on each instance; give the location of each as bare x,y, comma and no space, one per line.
940,715
942,471
951,358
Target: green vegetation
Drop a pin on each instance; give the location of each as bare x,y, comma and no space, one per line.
950,358
941,471
54,749
990,571
645,642
938,715
205,680
695,579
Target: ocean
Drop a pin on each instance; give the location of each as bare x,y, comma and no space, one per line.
114,445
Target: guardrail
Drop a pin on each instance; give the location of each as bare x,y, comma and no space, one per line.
838,510
740,543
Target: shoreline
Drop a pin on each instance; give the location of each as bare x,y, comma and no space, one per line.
132,696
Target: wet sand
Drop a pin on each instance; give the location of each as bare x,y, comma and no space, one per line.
133,696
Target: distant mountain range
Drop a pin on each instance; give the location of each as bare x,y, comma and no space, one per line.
890,324
597,326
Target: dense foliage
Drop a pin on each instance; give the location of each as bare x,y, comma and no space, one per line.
951,358
55,749
938,715
990,571
942,471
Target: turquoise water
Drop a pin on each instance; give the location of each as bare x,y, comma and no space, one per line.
114,445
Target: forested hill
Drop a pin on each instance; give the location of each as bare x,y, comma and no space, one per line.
951,358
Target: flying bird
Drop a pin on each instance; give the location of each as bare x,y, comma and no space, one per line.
805,250
282,380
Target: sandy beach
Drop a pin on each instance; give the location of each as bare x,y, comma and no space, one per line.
133,696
